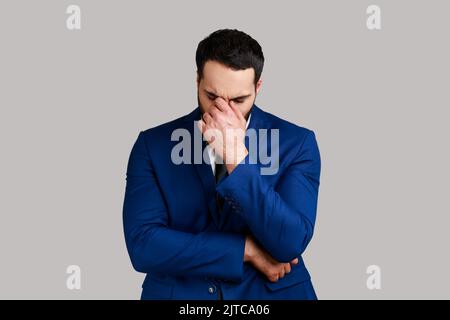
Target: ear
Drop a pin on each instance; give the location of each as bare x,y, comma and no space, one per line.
198,79
258,86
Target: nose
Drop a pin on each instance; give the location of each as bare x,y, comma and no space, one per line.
225,99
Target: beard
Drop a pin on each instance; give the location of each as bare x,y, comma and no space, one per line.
199,104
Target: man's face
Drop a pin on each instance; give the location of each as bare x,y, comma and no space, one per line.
232,85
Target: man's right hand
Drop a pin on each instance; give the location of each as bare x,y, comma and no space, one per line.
262,261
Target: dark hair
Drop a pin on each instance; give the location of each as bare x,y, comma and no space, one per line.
233,48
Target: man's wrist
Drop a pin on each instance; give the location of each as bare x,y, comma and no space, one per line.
240,155
248,250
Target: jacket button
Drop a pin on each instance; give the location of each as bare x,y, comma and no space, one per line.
212,289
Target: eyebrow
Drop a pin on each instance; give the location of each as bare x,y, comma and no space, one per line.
236,98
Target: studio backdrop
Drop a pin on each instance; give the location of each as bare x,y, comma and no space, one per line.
80,79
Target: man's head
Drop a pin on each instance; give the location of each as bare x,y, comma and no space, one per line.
229,65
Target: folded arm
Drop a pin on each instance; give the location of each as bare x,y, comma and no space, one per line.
281,219
154,247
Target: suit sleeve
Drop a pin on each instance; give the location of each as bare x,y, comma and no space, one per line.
281,218
154,247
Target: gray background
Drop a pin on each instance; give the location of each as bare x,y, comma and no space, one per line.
73,102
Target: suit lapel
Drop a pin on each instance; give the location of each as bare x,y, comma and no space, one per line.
203,169
204,172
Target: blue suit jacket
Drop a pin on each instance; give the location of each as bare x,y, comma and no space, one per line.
175,234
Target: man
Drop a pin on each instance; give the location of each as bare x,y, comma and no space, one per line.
223,228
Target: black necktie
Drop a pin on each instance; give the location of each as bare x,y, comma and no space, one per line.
221,172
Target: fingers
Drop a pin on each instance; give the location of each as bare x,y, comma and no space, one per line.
287,268
282,270
264,262
215,113
274,277
225,107
221,104
236,111
201,125
282,273
207,118
205,127
279,271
